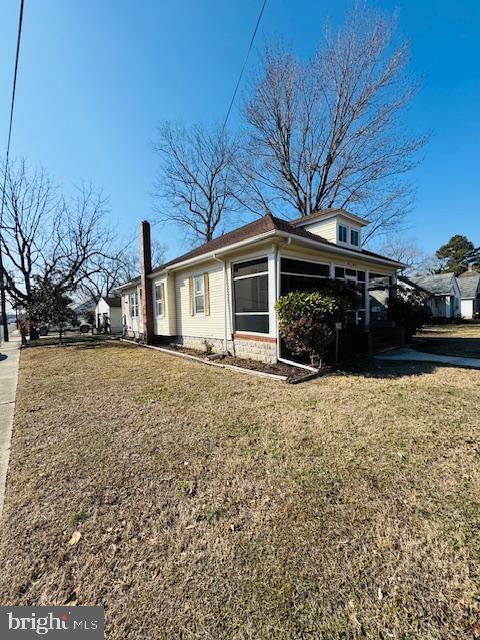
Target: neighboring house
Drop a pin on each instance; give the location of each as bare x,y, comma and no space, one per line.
108,315
224,292
444,294
82,308
469,283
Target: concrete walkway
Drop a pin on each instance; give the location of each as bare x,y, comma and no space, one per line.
9,359
412,355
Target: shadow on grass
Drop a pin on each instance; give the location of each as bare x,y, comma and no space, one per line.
368,367
461,347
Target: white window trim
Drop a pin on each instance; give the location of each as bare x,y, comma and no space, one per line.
250,313
159,285
198,314
348,242
134,303
339,224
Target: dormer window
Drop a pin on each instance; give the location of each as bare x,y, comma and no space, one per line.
354,237
342,233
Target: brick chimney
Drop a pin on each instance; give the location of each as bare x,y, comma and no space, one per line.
145,282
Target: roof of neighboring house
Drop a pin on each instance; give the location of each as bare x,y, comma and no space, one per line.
410,283
469,284
81,307
440,284
112,301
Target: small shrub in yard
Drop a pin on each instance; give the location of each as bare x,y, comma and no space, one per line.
307,321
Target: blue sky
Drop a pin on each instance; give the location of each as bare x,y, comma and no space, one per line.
97,76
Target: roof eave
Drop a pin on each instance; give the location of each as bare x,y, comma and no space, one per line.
335,249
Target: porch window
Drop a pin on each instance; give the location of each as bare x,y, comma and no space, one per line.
250,289
302,275
134,304
356,279
159,300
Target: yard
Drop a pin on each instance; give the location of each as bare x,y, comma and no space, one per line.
215,505
461,340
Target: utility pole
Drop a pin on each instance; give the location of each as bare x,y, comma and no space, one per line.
3,298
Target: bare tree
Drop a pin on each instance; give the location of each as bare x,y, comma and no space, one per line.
46,236
196,182
326,132
120,267
405,250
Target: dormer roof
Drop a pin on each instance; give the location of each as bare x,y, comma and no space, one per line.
325,214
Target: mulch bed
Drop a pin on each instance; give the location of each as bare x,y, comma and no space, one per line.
278,368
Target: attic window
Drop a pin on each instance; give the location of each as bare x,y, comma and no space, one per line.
354,237
342,233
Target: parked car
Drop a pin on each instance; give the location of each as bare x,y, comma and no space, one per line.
83,327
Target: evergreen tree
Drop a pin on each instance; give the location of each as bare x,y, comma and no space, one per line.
457,254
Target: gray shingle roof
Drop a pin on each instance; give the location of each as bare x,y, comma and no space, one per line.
440,284
469,283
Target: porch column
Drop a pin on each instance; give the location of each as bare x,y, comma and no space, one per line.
367,298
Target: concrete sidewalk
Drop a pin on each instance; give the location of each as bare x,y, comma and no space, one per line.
9,359
412,355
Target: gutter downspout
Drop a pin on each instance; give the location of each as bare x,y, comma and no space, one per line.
225,296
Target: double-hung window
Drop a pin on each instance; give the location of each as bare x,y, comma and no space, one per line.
250,289
342,233
199,294
134,304
354,237
159,300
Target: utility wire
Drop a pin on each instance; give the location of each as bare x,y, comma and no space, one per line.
244,65
7,155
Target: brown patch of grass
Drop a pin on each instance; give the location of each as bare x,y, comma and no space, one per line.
212,505
461,340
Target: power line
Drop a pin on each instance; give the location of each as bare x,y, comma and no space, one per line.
3,301
244,65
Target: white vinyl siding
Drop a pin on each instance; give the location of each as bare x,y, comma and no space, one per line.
202,326
326,228
133,323
164,312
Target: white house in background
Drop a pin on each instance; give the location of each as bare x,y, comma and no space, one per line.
469,284
225,291
444,298
108,315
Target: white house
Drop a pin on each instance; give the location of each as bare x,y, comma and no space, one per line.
469,284
444,298
225,291
108,315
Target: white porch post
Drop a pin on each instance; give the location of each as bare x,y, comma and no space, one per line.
367,299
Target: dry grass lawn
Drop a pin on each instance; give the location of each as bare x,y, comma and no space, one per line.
452,340
216,505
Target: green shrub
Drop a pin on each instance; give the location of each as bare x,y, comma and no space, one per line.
306,320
